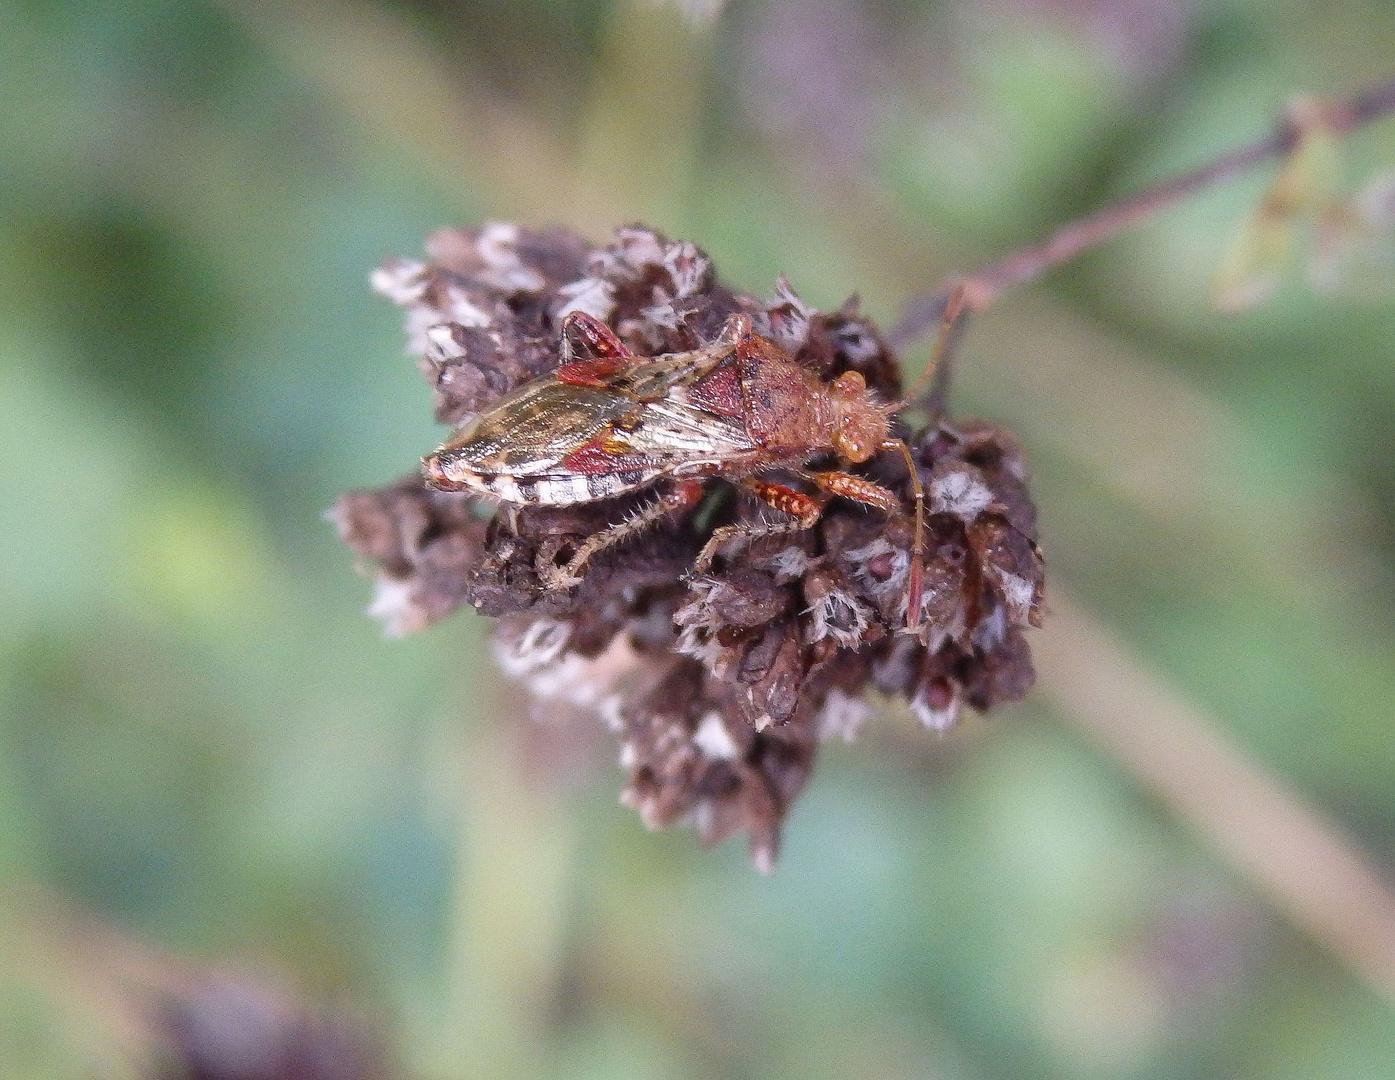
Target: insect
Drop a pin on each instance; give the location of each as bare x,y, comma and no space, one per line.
607,421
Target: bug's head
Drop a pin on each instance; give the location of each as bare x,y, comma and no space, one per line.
862,425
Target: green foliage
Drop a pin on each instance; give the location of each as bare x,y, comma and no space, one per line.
204,742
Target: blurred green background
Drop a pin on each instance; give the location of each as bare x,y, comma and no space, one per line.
210,758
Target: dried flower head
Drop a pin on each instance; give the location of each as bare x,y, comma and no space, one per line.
720,685
225,1026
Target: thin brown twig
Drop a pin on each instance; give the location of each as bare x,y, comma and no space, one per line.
982,288
1302,861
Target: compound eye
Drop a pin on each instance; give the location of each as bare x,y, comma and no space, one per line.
850,384
852,443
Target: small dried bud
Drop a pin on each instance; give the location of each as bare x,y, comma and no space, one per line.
424,544
834,610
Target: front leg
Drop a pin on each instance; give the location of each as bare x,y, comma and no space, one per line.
803,511
858,489
681,496
870,493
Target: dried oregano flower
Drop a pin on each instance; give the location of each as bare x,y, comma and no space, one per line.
719,684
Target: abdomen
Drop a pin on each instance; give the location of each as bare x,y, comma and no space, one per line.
563,490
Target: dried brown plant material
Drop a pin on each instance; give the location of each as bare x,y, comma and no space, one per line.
720,685
222,1026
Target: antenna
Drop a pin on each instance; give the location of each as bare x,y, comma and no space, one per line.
951,322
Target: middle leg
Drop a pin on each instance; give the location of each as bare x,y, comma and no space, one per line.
803,512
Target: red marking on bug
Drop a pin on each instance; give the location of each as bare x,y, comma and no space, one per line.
587,338
597,372
602,456
686,494
435,475
787,500
593,353
719,391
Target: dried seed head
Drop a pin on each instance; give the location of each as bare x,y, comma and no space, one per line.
721,688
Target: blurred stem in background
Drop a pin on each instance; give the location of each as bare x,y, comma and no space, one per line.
1303,120
1297,857
510,908
403,95
638,145
512,886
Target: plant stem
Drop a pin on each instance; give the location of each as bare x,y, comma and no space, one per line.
1302,860
1070,240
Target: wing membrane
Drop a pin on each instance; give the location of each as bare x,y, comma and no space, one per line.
645,413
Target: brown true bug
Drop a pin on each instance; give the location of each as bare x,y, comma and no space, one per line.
607,422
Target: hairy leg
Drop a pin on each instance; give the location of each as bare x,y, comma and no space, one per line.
858,488
681,496
802,510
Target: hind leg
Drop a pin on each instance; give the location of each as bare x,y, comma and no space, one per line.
681,496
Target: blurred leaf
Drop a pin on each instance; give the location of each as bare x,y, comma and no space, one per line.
62,1016
1000,107
1354,252
195,554
1304,190
1262,252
